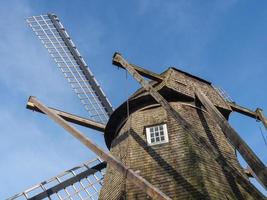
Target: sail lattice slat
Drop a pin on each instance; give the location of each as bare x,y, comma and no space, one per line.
62,49
79,183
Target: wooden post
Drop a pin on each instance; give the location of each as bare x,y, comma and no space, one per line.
261,117
249,156
139,181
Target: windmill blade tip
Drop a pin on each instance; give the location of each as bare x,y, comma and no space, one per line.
116,54
115,59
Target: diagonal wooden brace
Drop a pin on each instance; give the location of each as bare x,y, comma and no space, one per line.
138,180
246,152
119,60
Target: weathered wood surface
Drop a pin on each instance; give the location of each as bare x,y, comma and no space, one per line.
242,110
246,152
139,181
119,60
144,72
71,118
258,114
261,117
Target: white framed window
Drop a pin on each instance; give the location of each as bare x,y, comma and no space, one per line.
157,134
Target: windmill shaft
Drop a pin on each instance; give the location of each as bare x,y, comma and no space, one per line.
115,163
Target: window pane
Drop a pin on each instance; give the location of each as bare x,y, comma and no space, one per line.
157,134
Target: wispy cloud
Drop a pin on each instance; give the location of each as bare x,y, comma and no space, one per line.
31,149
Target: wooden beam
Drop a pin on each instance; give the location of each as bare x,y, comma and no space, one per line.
242,110
258,114
261,117
118,59
144,72
246,152
70,117
132,176
211,152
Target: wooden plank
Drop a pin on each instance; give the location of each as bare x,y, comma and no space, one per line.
261,117
119,60
211,152
132,176
246,152
71,118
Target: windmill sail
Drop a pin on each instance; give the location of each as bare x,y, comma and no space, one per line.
81,182
56,40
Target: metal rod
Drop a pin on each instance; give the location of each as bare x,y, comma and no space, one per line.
139,181
246,152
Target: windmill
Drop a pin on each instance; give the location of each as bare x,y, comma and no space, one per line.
169,140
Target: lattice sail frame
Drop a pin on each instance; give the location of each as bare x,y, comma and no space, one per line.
61,48
79,183
223,94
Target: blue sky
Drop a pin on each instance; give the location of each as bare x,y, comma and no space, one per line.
222,41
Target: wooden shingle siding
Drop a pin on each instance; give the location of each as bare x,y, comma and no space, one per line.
181,168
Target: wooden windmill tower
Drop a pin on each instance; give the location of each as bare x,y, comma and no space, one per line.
169,140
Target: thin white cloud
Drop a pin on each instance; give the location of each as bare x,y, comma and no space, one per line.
32,149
